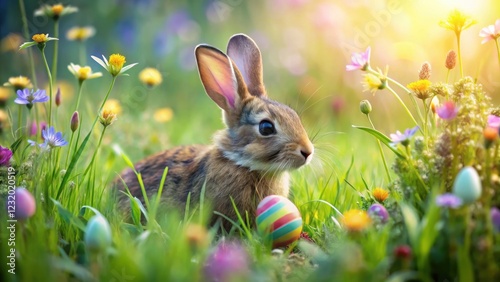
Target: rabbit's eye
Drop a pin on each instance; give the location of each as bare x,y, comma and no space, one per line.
266,128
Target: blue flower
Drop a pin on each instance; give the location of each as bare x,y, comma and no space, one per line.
52,138
448,200
27,97
403,138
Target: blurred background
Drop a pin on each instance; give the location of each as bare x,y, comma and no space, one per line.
305,46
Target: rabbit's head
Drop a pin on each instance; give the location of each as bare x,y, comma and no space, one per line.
261,134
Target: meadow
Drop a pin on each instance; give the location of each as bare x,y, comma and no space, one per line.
400,99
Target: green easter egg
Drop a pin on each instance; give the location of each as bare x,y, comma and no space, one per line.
467,185
97,234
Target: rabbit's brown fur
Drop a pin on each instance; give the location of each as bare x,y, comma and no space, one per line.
243,163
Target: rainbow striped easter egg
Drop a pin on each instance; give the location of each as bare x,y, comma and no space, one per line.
279,218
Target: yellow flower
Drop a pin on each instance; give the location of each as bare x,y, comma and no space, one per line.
4,120
197,236
457,21
4,94
380,194
83,73
11,42
150,76
163,115
55,11
115,65
40,38
420,88
107,116
80,33
356,220
113,105
372,83
18,82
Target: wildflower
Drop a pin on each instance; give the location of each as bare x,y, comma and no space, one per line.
403,252
115,65
18,82
4,96
451,60
52,138
227,262
3,120
359,61
403,138
55,11
80,33
38,39
163,115
377,212
197,236
83,73
75,121
356,220
467,185
490,135
420,88
58,97
150,76
114,105
494,121
5,156
380,194
27,97
373,83
97,236
491,32
434,104
107,117
495,218
448,200
365,107
11,42
447,111
457,22
25,204
425,71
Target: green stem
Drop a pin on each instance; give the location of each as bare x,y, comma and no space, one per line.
20,117
27,36
106,97
426,115
80,86
459,55
381,151
49,122
56,48
69,148
95,152
498,50
403,104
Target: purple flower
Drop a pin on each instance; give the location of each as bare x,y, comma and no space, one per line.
403,138
378,212
359,61
228,261
52,138
448,200
447,111
495,218
494,121
5,156
25,204
27,97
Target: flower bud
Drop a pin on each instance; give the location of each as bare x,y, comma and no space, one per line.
5,156
451,60
495,218
467,185
58,97
97,234
75,121
425,71
365,107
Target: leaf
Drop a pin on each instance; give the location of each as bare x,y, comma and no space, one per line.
68,217
384,139
429,230
465,272
67,265
27,45
411,221
16,144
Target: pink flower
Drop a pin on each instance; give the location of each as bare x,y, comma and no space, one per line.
494,121
447,111
491,32
359,61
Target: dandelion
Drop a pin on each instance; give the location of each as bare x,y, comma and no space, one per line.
491,32
447,110
18,82
420,88
425,71
55,11
5,156
448,200
403,138
83,73
380,194
356,220
151,77
163,115
38,39
27,97
115,65
360,61
78,33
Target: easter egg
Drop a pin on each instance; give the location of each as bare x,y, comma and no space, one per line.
467,185
279,220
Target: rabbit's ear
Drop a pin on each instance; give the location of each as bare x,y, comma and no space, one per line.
222,82
246,55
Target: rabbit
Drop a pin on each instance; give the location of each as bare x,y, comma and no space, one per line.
249,159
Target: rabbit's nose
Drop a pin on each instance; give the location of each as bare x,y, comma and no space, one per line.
305,153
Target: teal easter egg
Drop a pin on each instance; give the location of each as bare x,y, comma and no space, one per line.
278,219
467,185
97,234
